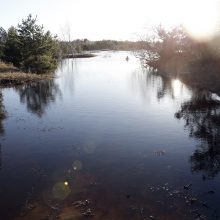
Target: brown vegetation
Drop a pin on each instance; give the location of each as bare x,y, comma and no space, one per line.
11,76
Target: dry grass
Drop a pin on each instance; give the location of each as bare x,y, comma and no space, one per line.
24,76
3,65
11,76
7,67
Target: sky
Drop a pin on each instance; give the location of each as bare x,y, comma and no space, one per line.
108,19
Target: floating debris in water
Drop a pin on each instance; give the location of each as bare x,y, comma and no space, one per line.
188,186
88,213
201,217
192,200
204,204
82,203
184,194
160,152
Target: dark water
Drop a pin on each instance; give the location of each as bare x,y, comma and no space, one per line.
108,140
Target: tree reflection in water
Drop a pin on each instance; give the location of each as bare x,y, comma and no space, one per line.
163,84
2,117
202,118
39,95
146,80
2,114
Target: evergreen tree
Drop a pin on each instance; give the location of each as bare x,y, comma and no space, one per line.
30,48
3,37
12,52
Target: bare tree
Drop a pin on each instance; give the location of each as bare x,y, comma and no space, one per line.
68,39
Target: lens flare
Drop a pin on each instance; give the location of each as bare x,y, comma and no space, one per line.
66,183
61,190
77,165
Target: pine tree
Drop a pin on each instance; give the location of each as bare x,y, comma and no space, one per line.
3,37
12,47
30,48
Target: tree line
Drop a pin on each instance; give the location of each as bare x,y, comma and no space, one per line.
81,45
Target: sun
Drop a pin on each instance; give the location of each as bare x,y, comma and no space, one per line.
201,18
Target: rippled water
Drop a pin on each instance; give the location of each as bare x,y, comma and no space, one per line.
108,139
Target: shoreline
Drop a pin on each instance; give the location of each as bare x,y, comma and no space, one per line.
11,76
11,79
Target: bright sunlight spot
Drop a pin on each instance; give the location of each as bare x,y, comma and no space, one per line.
176,85
201,18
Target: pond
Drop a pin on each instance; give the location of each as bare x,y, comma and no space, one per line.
109,139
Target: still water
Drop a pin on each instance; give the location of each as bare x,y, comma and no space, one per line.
107,139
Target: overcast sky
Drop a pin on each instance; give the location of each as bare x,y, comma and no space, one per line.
95,19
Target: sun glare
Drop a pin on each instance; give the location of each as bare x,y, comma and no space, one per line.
202,18
177,86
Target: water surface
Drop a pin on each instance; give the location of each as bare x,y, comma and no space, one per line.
107,139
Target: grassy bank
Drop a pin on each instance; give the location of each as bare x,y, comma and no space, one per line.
11,76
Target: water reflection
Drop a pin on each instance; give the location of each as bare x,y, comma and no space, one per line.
2,117
39,95
177,87
200,110
202,118
147,80
2,114
113,153
67,72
